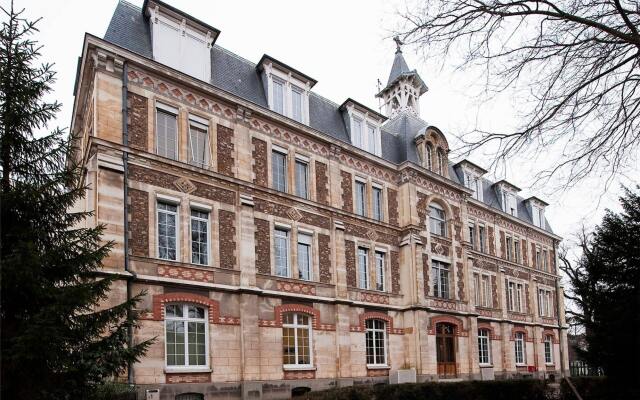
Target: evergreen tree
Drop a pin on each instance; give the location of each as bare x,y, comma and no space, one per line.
605,287
57,342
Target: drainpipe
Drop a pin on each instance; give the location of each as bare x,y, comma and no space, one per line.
559,298
125,164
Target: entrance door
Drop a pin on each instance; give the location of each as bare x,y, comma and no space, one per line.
446,350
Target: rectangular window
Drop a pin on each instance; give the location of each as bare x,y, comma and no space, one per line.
166,134
198,144
281,252
476,287
483,347
548,349
372,139
279,171
486,291
474,183
545,303
377,204
296,103
380,270
200,237
185,330
509,203
440,275
509,249
538,258
167,231
516,250
545,261
519,344
278,96
361,198
481,238
356,132
305,269
296,340
472,235
363,268
514,296
375,342
302,179
437,224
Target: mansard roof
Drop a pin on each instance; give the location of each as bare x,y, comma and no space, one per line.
284,67
400,69
129,28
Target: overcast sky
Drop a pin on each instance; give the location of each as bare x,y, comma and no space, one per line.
345,46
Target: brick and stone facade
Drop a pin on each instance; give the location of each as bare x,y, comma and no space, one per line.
244,298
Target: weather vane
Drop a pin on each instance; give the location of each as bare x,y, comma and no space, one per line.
399,43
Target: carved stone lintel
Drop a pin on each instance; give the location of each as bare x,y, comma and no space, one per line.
246,200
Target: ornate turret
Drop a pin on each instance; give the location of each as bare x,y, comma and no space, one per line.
404,87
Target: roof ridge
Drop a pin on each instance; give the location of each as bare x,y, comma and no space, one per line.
131,5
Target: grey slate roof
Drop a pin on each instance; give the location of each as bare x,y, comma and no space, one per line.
129,29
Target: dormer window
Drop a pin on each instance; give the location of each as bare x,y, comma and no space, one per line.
364,126
474,183
538,217
536,209
509,203
278,96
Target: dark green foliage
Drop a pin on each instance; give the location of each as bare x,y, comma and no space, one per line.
591,388
470,390
55,345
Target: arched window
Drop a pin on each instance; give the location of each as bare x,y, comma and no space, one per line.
296,340
548,349
484,349
428,156
442,162
375,342
520,348
186,335
437,222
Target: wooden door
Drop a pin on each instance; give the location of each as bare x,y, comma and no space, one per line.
446,350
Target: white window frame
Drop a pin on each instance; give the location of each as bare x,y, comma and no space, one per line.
509,248
199,123
548,350
484,346
277,235
176,214
297,326
361,198
166,109
299,91
185,319
472,234
514,296
208,240
289,85
520,348
545,308
517,253
305,239
482,238
437,220
474,182
441,290
361,137
305,184
381,265
283,98
377,206
376,332
363,267
285,174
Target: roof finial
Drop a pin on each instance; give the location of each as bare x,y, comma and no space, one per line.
399,44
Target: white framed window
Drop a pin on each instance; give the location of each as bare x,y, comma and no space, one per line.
302,179
296,103
167,215
296,340
516,251
429,156
545,261
281,252
538,216
440,277
509,248
538,258
186,336
474,183
514,296
287,95
305,257
437,223
361,198
198,142
442,162
199,237
477,290
378,214
484,347
363,268
509,203
167,131
376,342
472,235
520,348
482,240
380,270
357,134
373,140
482,285
545,303
548,349
365,133
278,96
279,170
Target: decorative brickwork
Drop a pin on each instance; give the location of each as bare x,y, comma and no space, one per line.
350,258
457,322
285,211
310,374
492,241
549,332
367,232
362,318
421,208
322,183
139,222
503,252
278,311
324,249
138,112
373,372
492,332
226,150
192,377
533,256
460,278
374,298
347,191
528,301
392,202
425,273
186,273
159,301
227,235
494,292
522,329
525,252
394,259
260,170
263,246
439,246
296,287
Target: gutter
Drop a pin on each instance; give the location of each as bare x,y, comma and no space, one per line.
563,367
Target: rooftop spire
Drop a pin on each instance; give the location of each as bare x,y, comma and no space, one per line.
399,44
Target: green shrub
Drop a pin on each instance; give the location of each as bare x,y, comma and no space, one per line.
599,388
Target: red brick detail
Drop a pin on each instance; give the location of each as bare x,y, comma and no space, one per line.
492,332
457,322
322,183
503,252
439,246
260,171
494,292
263,246
373,372
160,300
309,374
368,231
192,377
227,235
285,211
394,259
392,203
425,273
296,287
347,191
460,276
166,180
139,222
549,332
324,249
278,311
350,259
525,252
137,125
522,329
456,214
186,273
226,150
533,256
422,209
362,318
492,241
374,298
528,301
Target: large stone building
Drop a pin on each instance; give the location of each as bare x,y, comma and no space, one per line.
284,241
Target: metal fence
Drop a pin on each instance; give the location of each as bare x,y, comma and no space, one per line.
581,368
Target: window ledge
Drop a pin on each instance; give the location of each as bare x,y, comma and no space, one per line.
298,368
187,370
369,366
486,365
